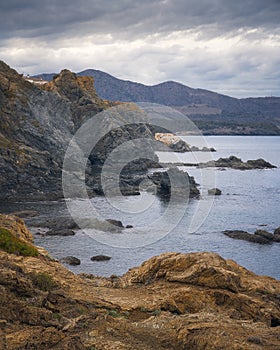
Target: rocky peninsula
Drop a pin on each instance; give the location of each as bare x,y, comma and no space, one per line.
176,301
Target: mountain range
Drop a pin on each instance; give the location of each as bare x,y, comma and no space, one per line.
213,113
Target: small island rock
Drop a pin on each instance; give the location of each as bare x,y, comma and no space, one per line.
100,258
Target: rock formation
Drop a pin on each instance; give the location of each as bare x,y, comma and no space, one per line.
236,163
260,236
37,124
175,182
172,301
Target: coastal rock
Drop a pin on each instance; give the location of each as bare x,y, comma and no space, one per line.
182,184
100,258
277,231
177,144
176,301
117,223
236,163
38,123
243,235
71,260
16,226
214,192
60,232
265,234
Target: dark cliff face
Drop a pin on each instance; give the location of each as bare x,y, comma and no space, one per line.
36,126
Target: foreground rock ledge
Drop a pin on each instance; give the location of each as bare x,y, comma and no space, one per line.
172,301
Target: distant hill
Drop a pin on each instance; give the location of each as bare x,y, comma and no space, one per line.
212,112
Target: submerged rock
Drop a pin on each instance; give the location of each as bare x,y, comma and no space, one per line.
114,222
100,258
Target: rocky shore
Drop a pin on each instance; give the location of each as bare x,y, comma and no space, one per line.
172,301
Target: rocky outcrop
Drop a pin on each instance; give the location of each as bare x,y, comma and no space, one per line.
236,163
260,236
214,192
37,124
174,182
176,301
177,144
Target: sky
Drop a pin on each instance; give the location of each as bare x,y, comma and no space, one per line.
228,46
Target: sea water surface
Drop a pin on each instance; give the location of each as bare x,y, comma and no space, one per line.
250,200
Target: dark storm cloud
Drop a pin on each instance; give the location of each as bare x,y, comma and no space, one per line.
31,18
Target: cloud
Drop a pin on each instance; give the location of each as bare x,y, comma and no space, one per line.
228,46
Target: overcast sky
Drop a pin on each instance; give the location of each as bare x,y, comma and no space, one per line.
228,46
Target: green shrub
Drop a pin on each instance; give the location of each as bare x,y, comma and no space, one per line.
14,245
43,281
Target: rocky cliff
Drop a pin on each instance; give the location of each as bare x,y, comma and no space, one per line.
36,126
172,301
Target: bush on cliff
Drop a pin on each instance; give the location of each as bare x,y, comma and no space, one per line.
13,245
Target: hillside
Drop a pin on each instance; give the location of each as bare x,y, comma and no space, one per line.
212,112
37,125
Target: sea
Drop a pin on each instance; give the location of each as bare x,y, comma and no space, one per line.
250,200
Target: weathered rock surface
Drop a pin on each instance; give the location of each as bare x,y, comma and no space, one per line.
60,232
174,182
173,301
260,236
236,163
37,125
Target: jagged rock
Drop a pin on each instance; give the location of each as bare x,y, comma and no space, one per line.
243,235
214,192
71,260
183,184
100,258
277,231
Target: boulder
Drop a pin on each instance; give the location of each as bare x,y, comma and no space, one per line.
214,192
182,183
128,226
60,232
70,260
100,258
277,231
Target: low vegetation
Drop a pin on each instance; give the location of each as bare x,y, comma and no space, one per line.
13,245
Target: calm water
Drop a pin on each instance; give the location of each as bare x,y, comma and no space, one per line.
249,200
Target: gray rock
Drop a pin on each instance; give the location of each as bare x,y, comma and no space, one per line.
100,258
60,232
265,234
277,231
117,223
70,260
246,236
214,192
